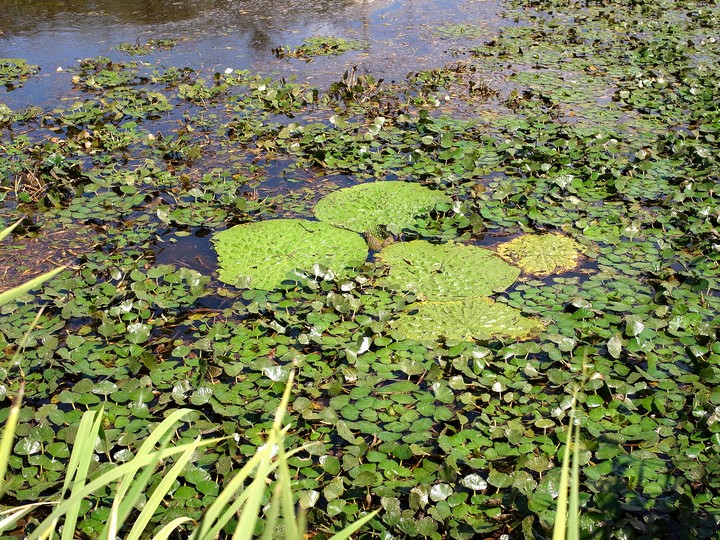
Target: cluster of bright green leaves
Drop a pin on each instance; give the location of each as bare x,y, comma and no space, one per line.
446,271
453,282
262,255
541,255
13,71
141,49
320,46
467,319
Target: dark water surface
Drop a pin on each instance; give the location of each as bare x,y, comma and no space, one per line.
402,35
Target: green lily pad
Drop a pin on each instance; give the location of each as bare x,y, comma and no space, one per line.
261,255
469,319
543,254
446,271
366,207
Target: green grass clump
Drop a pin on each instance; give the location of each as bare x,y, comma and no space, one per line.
237,503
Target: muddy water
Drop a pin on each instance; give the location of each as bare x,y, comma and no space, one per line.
402,35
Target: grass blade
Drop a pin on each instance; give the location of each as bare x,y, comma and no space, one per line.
271,516
349,530
167,530
560,528
221,512
254,494
129,490
574,509
8,436
83,448
160,492
273,448
8,230
105,479
13,514
12,294
293,529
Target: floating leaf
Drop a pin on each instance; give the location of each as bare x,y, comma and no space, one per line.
264,253
446,271
330,464
440,492
366,207
634,325
201,396
335,506
468,319
334,489
614,346
138,332
543,254
499,479
474,482
308,499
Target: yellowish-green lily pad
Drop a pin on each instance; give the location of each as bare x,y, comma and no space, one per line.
262,255
541,254
367,207
446,271
469,319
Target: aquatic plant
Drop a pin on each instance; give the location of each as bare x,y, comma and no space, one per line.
319,46
467,319
445,271
262,255
369,207
542,254
237,508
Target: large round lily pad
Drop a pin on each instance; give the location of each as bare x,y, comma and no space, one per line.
366,207
446,271
469,319
541,254
262,254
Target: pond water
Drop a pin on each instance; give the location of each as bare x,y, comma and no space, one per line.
402,35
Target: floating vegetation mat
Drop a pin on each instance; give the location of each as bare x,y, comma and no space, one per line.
547,229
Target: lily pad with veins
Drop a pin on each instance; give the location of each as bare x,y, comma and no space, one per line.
468,319
368,207
446,271
541,254
262,255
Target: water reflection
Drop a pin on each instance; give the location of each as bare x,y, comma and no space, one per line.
216,34
54,30
207,16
